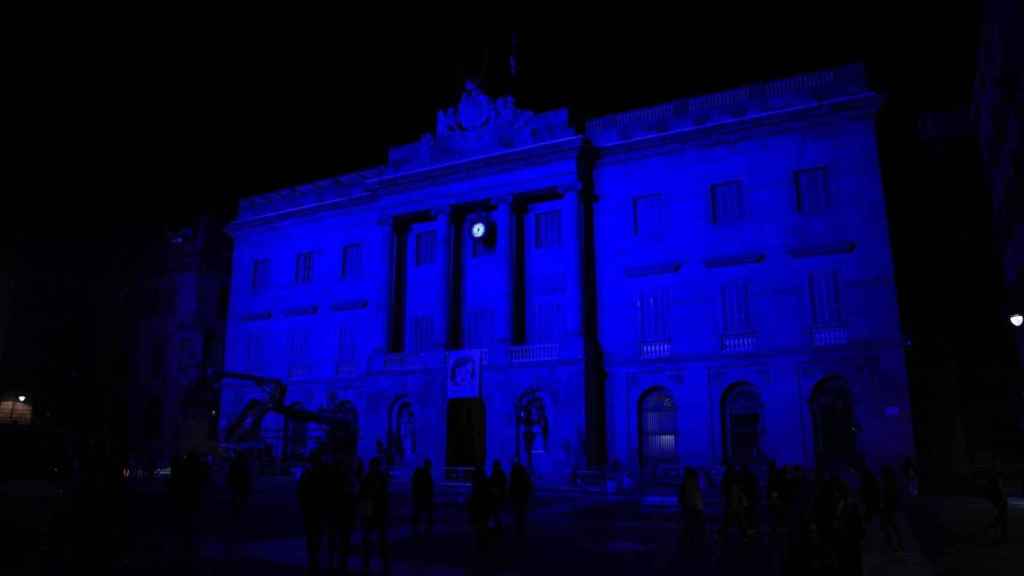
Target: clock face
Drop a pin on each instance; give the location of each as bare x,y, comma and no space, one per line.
479,229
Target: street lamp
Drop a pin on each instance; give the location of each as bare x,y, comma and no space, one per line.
1017,320
21,398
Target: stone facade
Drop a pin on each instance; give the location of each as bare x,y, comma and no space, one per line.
700,282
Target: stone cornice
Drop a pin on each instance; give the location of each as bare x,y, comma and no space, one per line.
734,260
544,153
658,269
822,249
657,143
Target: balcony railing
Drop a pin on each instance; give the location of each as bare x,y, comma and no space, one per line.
738,342
533,353
830,336
653,350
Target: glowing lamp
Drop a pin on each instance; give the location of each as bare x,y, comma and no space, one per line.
21,398
1017,320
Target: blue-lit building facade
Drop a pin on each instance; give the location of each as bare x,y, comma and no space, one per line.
701,282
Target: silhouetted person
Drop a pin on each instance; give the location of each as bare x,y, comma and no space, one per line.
775,495
373,496
423,498
240,485
910,476
342,495
751,499
312,494
996,496
480,508
850,537
890,509
499,487
691,504
186,486
870,495
519,495
732,502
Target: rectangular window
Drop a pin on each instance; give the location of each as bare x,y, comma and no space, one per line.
261,274
422,333
352,262
254,363
480,328
654,313
548,229
346,360
727,202
812,193
546,323
824,298
425,247
736,308
648,216
298,353
304,268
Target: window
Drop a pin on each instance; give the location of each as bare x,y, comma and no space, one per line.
741,423
261,274
654,314
546,323
304,268
298,353
346,360
736,308
480,328
727,202
812,194
648,216
547,229
254,353
824,298
422,333
425,247
352,262
657,427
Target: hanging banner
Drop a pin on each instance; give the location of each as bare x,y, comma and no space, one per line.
464,374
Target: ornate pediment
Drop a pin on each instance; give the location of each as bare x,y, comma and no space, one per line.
478,126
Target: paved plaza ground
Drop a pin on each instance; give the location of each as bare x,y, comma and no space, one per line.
569,533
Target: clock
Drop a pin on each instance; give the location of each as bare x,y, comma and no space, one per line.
479,230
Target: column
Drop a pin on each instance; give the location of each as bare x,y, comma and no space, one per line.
573,235
446,268
505,218
386,251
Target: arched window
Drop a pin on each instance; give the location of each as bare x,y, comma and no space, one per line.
403,432
741,424
835,430
532,425
657,427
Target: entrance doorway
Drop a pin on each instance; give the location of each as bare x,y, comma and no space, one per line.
465,433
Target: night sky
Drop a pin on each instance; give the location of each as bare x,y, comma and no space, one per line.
122,135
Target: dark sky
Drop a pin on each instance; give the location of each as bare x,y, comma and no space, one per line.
155,125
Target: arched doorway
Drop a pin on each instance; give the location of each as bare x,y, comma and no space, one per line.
657,421
531,429
402,433
742,423
465,436
835,429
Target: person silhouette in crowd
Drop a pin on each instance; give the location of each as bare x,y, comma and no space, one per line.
480,508
423,498
996,495
341,519
240,485
373,496
910,476
519,495
891,492
691,503
312,493
499,488
751,500
733,503
870,495
850,534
